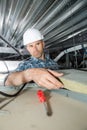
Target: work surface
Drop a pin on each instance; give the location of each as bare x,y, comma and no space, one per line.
75,80
25,112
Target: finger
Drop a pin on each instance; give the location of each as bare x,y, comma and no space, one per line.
47,84
55,81
55,73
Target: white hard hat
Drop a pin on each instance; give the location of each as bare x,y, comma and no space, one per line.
32,35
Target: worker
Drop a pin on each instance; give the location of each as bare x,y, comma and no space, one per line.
38,68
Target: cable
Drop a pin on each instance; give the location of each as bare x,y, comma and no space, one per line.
6,66
8,57
11,46
15,94
12,95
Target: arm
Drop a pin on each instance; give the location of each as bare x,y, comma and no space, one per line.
42,77
18,78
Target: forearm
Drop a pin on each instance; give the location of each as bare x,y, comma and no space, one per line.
18,78
42,77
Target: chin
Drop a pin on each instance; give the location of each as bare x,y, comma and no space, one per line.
37,56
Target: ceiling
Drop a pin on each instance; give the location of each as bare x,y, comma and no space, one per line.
62,22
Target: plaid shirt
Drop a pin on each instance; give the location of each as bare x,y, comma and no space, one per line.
37,63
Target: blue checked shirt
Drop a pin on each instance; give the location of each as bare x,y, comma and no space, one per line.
37,63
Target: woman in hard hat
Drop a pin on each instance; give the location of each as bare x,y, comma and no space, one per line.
39,68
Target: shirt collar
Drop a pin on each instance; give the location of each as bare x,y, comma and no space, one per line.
36,59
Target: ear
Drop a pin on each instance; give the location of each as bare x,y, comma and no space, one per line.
26,47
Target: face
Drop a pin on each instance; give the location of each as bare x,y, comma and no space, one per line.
36,49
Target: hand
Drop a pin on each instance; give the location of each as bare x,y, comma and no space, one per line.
46,78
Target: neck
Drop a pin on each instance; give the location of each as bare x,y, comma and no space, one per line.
42,57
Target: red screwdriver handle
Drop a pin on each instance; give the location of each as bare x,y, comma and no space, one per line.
41,96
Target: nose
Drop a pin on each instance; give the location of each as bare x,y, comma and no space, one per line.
35,48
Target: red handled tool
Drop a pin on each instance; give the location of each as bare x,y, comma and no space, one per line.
42,99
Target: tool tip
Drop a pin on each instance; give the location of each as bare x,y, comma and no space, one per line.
49,113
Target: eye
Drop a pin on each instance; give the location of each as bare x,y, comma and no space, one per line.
38,43
30,45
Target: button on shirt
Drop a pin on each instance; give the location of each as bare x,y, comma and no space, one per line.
37,63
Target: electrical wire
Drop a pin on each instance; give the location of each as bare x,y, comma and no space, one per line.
15,94
10,45
6,66
8,57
